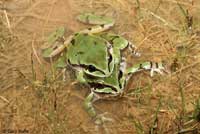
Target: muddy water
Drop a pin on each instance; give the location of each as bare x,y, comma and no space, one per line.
30,100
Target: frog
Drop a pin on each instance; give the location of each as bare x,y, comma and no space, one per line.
97,58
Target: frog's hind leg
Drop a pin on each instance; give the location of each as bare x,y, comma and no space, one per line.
97,29
102,23
88,105
152,66
60,48
92,97
99,119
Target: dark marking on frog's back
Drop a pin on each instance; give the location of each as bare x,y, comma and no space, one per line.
65,49
85,34
76,34
102,25
89,28
73,41
95,43
87,19
80,52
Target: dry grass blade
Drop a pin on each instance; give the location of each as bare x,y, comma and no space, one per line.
7,20
35,53
4,99
166,23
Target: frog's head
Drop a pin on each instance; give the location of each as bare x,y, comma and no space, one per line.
91,53
101,62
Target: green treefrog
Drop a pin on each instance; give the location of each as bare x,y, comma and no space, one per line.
97,59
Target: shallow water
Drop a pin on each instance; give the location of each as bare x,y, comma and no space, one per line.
32,99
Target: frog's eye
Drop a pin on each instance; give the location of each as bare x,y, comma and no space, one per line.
91,68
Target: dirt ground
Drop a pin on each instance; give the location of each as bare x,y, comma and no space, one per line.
34,100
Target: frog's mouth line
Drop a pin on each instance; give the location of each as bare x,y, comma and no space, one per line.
101,86
90,68
96,85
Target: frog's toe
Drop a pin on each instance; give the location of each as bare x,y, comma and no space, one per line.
74,83
101,119
157,70
101,123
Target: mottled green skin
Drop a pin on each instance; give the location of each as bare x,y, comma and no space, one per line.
89,50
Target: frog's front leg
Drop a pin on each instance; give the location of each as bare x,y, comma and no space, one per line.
152,66
120,43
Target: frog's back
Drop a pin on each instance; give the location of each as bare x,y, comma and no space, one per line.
88,50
